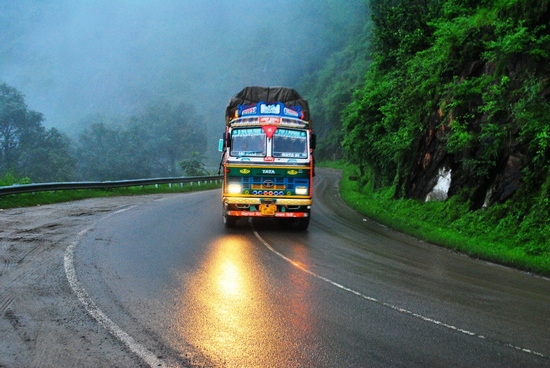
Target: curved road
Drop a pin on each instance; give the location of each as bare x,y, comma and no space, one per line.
181,289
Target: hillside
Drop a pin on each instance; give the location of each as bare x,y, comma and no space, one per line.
458,90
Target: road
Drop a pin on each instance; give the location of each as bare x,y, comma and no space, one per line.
158,281
348,292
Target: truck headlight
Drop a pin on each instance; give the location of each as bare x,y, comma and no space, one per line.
301,190
234,188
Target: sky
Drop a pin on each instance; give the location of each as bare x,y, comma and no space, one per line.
76,58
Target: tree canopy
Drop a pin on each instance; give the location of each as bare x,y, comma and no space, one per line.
26,147
149,144
146,145
474,72
455,86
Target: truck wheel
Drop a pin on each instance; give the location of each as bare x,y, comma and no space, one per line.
229,221
302,223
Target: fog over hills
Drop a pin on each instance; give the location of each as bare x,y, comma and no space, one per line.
72,59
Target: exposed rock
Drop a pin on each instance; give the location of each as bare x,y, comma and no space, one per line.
441,189
436,196
508,180
503,170
432,156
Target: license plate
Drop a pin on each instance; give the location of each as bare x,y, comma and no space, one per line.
268,209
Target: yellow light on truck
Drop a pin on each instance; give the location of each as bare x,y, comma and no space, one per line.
234,188
301,190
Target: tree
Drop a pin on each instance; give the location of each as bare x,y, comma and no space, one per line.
26,147
147,145
330,89
402,28
106,153
49,157
168,134
193,166
15,119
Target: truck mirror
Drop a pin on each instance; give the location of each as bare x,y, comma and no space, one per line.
312,141
225,141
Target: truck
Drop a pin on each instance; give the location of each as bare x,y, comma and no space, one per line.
267,157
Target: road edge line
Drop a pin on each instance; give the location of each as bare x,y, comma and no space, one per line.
93,310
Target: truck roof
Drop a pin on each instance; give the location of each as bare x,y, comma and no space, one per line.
254,94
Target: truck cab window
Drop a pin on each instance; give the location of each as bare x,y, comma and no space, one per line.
290,143
248,142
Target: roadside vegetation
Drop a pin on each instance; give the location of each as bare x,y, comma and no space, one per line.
486,234
51,197
458,85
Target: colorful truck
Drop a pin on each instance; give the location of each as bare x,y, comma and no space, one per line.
267,157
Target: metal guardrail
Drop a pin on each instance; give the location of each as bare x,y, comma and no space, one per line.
42,187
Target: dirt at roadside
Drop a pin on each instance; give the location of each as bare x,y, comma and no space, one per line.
42,323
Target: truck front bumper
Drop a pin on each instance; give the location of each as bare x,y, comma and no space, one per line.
267,207
258,201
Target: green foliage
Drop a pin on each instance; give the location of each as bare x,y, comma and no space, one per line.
26,147
500,234
330,89
193,166
475,72
145,145
519,34
531,112
402,28
415,76
10,179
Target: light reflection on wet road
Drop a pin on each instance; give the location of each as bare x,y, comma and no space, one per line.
229,312
235,317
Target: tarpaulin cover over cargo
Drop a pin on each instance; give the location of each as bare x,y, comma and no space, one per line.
254,94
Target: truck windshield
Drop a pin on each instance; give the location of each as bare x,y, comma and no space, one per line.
248,142
290,143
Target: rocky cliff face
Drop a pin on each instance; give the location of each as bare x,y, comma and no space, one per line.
506,172
433,163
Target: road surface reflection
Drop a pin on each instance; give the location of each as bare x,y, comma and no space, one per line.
239,312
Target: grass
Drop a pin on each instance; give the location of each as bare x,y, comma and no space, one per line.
490,234
50,197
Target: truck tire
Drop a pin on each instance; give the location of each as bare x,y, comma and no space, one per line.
229,221
301,224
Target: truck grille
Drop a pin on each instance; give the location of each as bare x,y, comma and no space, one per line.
269,185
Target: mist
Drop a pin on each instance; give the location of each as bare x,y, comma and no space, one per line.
72,59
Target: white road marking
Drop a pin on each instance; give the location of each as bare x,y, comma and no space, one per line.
374,300
94,311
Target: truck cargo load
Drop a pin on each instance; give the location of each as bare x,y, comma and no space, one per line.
255,94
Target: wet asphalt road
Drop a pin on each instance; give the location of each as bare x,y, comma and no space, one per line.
346,293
